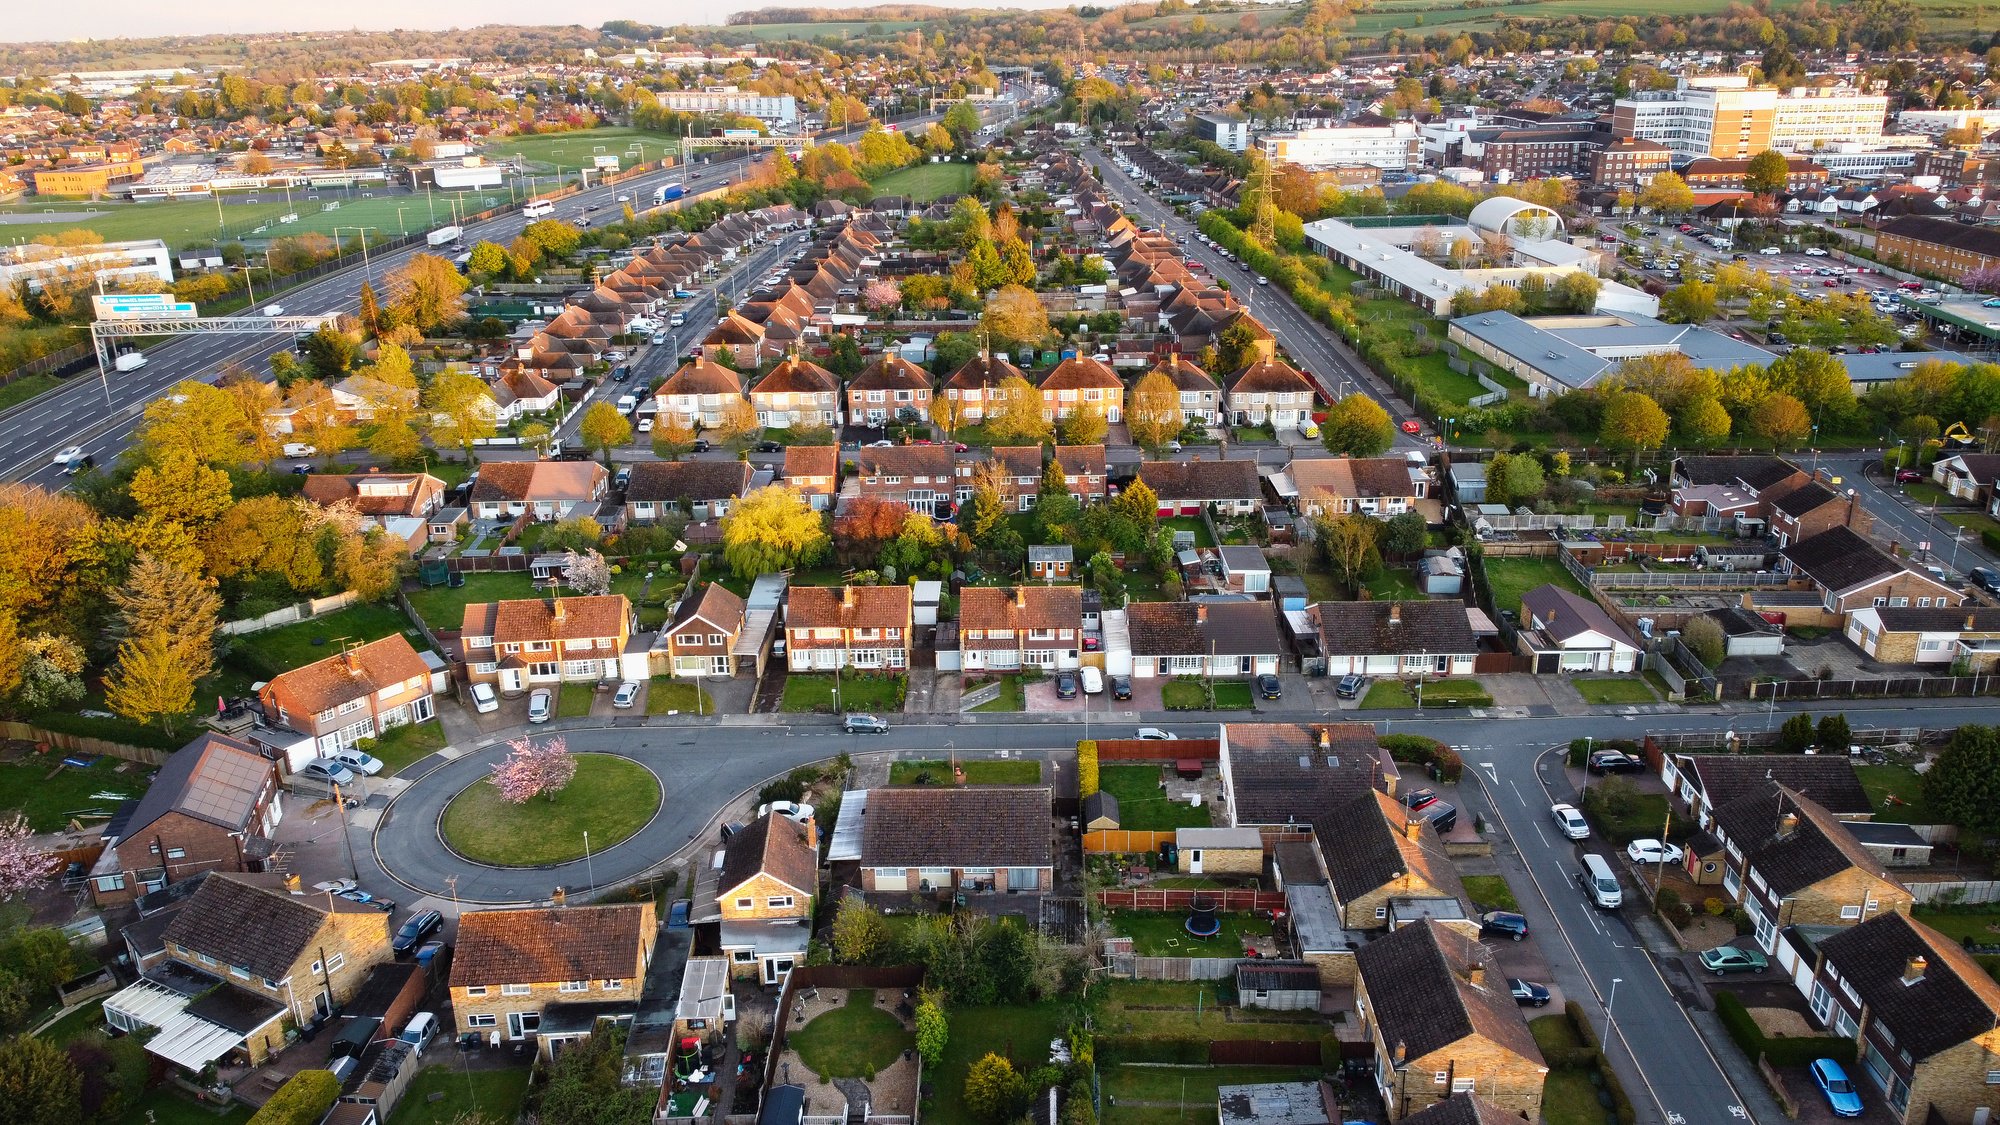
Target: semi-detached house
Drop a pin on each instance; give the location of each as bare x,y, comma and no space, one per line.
1004,629
864,627
353,695
549,973
914,475
532,642
698,394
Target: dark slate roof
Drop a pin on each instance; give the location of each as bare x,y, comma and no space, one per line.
214,778
1462,1109
1416,979
1266,976
1247,628
1818,846
1297,863
1359,846
1100,804
239,923
1364,628
1805,498
672,481
1954,1001
1268,783
1838,559
1828,779
1945,232
1565,613
1758,472
776,846
237,1009
1964,619
974,826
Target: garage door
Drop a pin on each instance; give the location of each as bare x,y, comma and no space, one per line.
892,880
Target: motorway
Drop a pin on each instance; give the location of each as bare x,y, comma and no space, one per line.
1309,343
101,414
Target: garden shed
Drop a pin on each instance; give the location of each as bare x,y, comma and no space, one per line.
1100,810
1220,851
1281,986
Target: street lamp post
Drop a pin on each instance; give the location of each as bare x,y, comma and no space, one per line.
1608,1005
248,285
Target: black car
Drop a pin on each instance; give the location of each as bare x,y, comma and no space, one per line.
1349,686
1443,817
701,445
1121,687
769,447
416,930
1065,685
1615,761
1269,687
1505,923
1986,578
1528,992
621,373
1421,799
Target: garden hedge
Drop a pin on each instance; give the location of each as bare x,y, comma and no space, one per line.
1784,1050
302,1100
1416,749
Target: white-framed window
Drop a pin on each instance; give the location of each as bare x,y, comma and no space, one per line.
314,968
1440,1077
482,1020
475,990
1381,912
515,989
574,986
336,962
1850,912
778,902
612,984
746,904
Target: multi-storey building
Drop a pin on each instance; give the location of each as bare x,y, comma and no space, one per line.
1725,116
778,109
1529,154
1629,162
1393,147
1229,130
1938,246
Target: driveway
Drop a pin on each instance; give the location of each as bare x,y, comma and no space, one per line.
1040,697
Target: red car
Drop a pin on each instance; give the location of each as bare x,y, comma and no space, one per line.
1413,427
1908,475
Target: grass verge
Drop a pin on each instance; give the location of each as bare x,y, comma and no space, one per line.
1615,691
609,797
666,695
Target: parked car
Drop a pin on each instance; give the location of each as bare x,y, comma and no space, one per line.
335,886
1839,1089
677,914
417,929
1121,687
1615,761
1065,685
628,694
541,704
360,762
1443,817
1155,734
1421,799
1528,992
1505,923
863,724
1986,578
1569,821
484,700
1653,851
326,771
1908,476
421,1029
1349,686
1269,688
1733,959
1093,680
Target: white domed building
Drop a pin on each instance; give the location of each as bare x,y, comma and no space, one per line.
1516,218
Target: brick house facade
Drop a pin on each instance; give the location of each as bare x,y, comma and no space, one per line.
701,640
1939,247
1028,626
887,388
358,694
531,642
212,807
864,627
510,967
769,879
986,838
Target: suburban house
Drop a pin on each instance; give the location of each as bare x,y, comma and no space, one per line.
1268,390
1966,634
1468,1109
353,695
534,642
1082,381
283,959
514,970
377,495
1372,486
1967,476
1707,782
212,807
889,389
1792,863
1184,487
1808,509
698,394
1924,1013
1432,638
797,392
1566,632
915,475
815,471
1200,398
701,639
764,896
1001,629
544,489
1084,470
737,335
973,384
865,627
703,490
1051,561
1443,1023
518,392
980,838
1375,852
1015,472
1237,639
1283,773
1851,573
1728,487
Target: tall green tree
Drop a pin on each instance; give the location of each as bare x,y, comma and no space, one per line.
1767,174
38,1084
1358,426
1962,786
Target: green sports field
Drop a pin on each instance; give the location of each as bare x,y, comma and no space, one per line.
193,222
543,152
925,182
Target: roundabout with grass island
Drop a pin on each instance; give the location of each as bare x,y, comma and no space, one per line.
611,797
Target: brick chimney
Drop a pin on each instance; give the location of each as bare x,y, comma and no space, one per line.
1200,614
560,613
292,884
847,597
1395,613
1402,1052
1913,969
1020,597
1413,828
1325,738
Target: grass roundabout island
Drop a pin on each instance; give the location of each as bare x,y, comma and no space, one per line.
610,798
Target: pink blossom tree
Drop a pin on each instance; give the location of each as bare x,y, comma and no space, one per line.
882,295
533,769
23,863
588,572
1982,281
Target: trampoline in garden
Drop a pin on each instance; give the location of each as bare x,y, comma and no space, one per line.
1201,920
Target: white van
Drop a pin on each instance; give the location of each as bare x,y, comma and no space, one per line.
419,1032
1600,882
538,207
1308,428
627,404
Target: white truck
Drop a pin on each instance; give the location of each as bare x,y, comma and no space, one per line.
538,207
444,235
129,361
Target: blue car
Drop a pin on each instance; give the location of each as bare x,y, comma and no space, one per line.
1838,1088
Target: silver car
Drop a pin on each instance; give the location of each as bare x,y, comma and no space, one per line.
628,694
540,704
327,772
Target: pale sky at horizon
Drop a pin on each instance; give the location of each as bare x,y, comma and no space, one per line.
133,19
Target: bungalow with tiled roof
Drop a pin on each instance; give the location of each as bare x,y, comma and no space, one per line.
1394,638
1370,486
379,495
1183,487
546,489
972,839
1565,632
702,490
1851,573
1232,639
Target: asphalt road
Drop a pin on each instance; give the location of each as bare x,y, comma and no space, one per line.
101,414
1309,344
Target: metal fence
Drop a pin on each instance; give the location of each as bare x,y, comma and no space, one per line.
1685,580
1133,967
1696,741
1226,899
1927,687
1986,890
